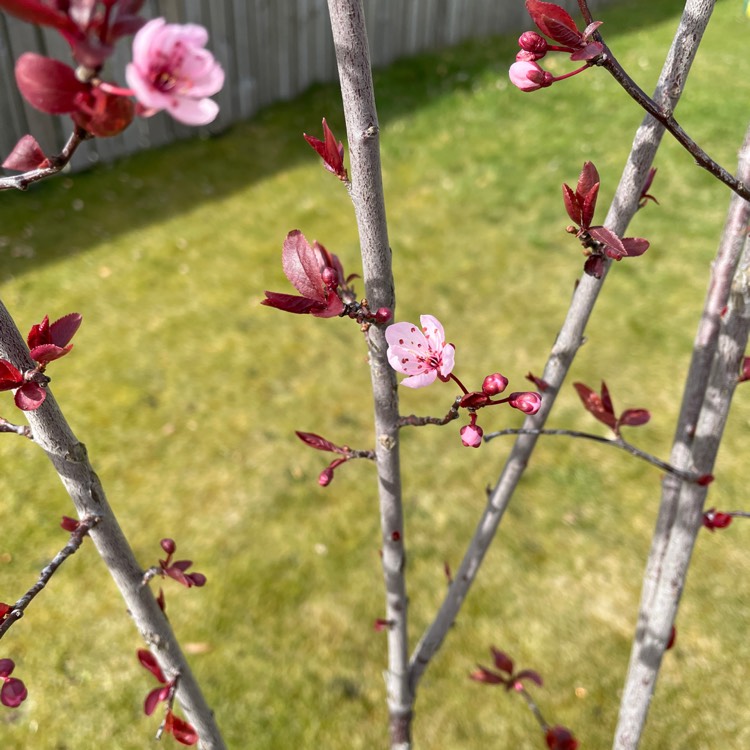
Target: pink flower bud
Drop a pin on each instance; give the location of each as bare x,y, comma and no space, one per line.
325,477
168,545
527,401
383,315
471,435
534,43
495,383
528,76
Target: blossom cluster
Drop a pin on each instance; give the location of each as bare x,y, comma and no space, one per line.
170,70
423,354
556,23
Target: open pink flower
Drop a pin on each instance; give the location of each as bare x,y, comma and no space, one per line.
171,70
423,354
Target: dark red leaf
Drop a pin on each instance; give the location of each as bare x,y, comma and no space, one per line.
63,329
69,524
154,697
588,205
593,403
529,674
148,660
26,155
487,676
542,385
30,397
613,246
635,246
634,417
183,732
571,204
317,442
38,12
13,693
588,179
591,51
502,661
607,399
47,84
302,266
10,377
560,738
554,21
290,303
6,667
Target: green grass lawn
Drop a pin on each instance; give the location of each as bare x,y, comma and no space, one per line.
187,393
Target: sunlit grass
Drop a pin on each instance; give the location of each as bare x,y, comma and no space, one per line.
187,392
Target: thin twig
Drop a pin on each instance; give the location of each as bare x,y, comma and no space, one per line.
609,62
623,208
18,429
363,133
618,442
56,164
414,421
717,353
76,540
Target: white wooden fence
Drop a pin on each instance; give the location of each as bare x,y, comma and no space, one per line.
270,49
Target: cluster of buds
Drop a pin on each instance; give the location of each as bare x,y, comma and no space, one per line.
47,342
13,692
556,23
423,354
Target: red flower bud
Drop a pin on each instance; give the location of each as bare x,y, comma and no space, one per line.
534,43
495,383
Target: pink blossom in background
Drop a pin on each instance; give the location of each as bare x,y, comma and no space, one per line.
171,70
422,354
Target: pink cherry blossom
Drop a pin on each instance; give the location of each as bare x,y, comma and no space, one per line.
171,70
423,354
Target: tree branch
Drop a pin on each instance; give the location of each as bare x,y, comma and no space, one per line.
76,540
623,207
355,75
52,433
717,355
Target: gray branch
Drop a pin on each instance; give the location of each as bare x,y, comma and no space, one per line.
623,207
52,433
717,354
353,58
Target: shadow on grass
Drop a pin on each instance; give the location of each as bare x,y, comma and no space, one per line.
156,185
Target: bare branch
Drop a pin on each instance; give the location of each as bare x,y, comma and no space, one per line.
76,540
718,351
363,132
623,207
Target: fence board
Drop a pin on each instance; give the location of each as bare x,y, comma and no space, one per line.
270,50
